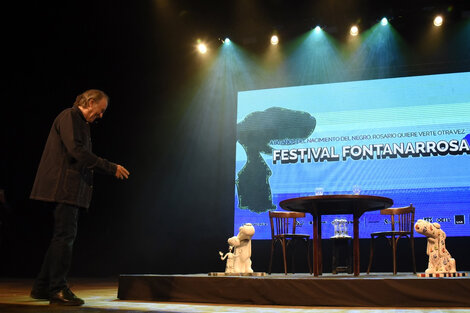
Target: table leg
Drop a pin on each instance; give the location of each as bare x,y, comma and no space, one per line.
320,254
356,261
315,245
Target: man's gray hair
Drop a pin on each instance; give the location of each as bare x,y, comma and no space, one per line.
83,99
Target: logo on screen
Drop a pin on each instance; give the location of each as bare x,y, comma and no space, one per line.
459,219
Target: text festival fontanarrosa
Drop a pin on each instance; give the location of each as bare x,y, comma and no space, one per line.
371,151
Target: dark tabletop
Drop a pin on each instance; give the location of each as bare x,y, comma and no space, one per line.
336,204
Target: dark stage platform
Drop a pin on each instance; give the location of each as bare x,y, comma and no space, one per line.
374,290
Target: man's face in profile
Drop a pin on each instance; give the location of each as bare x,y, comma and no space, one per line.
95,110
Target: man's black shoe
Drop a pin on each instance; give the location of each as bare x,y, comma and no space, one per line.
66,297
39,294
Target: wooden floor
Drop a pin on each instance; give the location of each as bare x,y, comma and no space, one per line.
100,296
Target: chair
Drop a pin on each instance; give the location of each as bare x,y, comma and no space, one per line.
283,224
402,221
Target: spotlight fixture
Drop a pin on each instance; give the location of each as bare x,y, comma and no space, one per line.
354,30
384,21
202,48
227,41
274,40
438,20
317,29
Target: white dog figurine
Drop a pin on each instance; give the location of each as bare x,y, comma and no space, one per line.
242,245
440,260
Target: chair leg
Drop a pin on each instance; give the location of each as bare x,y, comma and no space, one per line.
394,252
412,245
271,257
350,260
371,254
283,242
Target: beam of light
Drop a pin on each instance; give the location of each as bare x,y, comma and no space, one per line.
208,116
459,43
433,41
438,20
354,31
380,52
384,21
313,58
274,40
205,123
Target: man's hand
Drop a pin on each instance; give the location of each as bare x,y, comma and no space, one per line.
121,172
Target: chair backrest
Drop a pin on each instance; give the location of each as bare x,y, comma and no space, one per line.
402,219
282,220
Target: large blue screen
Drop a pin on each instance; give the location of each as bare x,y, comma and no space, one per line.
404,138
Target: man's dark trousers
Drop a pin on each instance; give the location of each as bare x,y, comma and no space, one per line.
56,264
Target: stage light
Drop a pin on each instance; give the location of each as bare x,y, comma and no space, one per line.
202,48
438,20
317,29
384,21
274,40
354,30
227,41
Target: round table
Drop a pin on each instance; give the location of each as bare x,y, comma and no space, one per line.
334,205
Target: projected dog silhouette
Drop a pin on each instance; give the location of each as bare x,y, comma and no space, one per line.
242,257
254,133
440,260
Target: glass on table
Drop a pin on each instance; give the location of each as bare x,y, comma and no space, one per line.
318,191
356,189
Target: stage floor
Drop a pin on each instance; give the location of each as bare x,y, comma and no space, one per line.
374,290
100,296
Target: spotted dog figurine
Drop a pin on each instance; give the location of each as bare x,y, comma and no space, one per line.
440,260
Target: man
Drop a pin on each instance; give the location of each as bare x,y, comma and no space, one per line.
65,177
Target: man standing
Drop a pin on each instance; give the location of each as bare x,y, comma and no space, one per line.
65,177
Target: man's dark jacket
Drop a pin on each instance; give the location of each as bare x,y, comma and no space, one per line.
65,173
